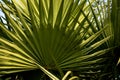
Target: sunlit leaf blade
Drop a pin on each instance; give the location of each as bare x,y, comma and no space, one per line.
53,35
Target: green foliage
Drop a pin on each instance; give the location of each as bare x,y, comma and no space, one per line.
116,25
59,35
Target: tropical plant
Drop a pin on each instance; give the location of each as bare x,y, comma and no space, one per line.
56,35
116,28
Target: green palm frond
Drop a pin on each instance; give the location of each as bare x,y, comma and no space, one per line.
55,34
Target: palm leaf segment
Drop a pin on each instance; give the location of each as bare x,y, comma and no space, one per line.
56,34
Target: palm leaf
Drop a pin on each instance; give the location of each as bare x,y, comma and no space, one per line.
60,38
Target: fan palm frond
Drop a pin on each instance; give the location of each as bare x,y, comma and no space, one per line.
54,35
